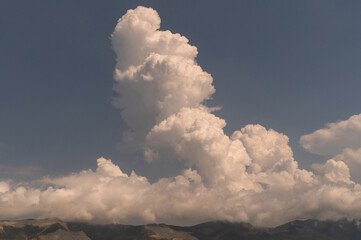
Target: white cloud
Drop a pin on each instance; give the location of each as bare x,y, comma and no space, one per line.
108,195
335,137
250,176
341,139
352,157
265,147
337,171
196,136
156,73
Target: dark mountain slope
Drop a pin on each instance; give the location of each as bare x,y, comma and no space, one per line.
295,230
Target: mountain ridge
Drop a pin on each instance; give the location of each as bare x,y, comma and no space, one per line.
50,229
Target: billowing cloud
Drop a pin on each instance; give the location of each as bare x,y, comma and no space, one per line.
196,136
340,139
156,73
108,195
334,171
249,176
335,137
351,158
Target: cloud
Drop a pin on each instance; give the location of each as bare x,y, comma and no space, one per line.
342,140
249,176
107,195
196,137
266,148
335,171
335,137
156,73
352,157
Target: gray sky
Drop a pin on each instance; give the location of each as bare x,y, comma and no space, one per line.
288,65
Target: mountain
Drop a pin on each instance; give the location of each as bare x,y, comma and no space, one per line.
55,229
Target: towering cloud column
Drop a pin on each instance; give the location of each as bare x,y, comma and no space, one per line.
161,89
156,73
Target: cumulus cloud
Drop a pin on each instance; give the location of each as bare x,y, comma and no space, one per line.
335,137
351,158
334,171
109,195
156,73
249,176
196,136
340,139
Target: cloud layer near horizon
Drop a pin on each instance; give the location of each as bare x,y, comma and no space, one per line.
249,176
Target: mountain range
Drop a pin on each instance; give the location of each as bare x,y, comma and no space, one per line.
55,229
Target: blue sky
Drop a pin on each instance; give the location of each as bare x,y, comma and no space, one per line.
279,68
288,65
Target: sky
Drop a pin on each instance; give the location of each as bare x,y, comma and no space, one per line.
251,100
